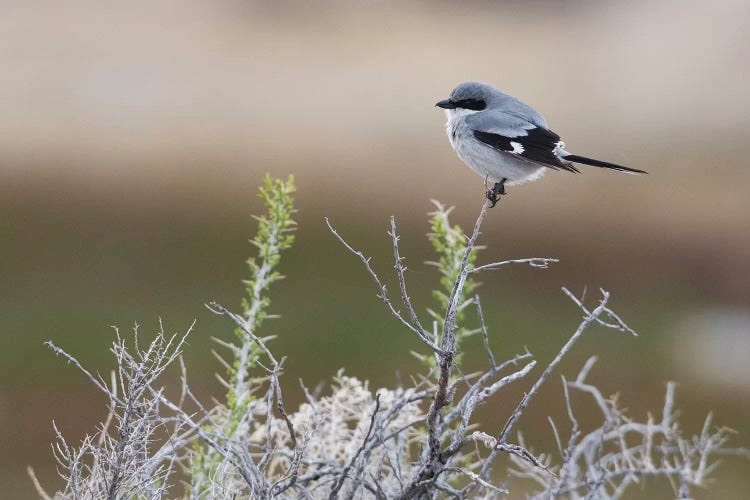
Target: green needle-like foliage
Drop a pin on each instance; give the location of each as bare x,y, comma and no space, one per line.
274,235
449,241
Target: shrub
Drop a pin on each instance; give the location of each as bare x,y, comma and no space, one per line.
408,441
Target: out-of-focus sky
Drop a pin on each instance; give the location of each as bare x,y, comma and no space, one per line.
134,134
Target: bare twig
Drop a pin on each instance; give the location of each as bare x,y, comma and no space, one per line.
340,482
382,293
485,336
617,324
92,379
474,477
37,485
513,420
400,269
449,323
539,262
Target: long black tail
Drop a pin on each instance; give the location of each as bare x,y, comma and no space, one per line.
602,164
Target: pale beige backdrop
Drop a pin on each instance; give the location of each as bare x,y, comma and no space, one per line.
130,130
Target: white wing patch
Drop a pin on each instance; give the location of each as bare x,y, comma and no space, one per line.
559,150
517,147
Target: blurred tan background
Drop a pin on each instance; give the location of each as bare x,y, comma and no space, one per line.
134,134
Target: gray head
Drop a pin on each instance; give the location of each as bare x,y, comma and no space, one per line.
473,96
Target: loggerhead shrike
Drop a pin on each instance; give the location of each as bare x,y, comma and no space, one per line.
505,140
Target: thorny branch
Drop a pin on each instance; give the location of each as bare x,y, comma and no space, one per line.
383,294
539,262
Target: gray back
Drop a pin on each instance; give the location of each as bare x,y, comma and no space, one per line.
498,103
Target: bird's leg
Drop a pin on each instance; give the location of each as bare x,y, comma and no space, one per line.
497,190
490,193
500,186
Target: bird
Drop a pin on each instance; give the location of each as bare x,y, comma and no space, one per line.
505,140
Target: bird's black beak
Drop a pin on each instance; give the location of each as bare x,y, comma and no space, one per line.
446,104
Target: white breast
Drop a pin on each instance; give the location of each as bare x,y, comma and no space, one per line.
489,163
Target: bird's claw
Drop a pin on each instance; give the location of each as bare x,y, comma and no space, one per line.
497,190
493,197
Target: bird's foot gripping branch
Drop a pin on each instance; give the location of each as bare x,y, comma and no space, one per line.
417,440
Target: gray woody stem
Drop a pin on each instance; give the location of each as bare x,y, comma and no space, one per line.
435,461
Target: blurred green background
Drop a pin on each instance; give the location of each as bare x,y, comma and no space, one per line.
134,135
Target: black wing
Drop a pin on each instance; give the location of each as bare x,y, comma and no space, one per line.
538,146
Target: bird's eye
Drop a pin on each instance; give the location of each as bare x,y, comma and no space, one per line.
473,104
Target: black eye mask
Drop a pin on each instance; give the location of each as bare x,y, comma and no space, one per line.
473,104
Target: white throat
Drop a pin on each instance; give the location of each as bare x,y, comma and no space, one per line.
458,113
